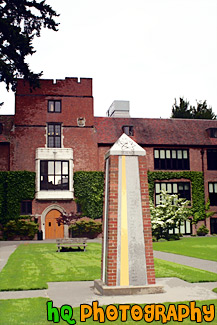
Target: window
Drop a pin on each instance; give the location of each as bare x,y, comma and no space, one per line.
1,128
54,175
212,159
184,228
181,188
26,207
54,135
128,130
212,132
174,159
213,193
54,106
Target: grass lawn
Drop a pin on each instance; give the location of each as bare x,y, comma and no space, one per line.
200,247
31,266
165,269
33,311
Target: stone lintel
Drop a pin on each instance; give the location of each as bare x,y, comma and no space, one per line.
105,290
125,146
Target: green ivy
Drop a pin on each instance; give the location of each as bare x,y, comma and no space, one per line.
15,186
3,191
197,186
89,187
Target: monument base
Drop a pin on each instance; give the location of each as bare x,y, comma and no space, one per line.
105,290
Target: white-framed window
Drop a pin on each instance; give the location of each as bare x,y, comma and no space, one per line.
54,174
183,189
171,159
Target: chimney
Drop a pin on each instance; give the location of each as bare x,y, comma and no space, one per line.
119,108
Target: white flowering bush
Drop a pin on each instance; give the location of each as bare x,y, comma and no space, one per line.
169,213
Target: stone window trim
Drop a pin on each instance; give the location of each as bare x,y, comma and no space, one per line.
54,135
61,134
171,159
54,106
54,175
54,154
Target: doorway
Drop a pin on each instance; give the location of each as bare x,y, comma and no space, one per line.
53,229
213,225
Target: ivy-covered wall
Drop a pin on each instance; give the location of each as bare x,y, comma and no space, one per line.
15,186
197,186
89,187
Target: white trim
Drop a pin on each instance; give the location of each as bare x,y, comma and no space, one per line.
125,146
54,154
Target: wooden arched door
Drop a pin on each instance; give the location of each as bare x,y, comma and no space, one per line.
53,230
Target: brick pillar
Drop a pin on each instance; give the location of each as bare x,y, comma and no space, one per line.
146,220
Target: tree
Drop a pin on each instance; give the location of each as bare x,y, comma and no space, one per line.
182,110
20,22
169,214
67,218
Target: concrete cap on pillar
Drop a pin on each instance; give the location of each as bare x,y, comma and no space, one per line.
125,146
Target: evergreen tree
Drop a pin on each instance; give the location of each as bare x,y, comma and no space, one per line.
182,110
20,22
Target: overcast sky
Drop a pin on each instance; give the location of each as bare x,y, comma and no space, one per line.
146,51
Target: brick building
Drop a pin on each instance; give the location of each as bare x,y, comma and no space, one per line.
54,133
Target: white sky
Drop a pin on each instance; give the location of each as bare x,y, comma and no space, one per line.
146,51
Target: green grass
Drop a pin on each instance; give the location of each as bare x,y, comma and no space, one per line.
165,269
33,311
31,266
200,247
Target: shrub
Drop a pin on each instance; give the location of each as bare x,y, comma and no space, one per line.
202,231
82,228
174,237
20,228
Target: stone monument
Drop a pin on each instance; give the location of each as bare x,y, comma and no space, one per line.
127,253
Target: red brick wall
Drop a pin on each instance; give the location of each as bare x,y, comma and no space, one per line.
32,117
111,270
67,86
30,127
39,206
146,220
4,156
101,154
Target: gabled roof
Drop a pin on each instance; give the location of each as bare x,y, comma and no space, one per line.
149,131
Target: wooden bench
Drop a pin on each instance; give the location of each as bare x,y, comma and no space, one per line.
71,242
